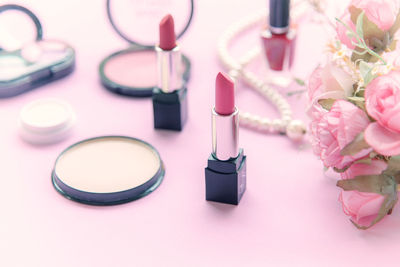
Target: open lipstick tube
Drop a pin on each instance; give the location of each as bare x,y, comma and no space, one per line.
226,168
169,97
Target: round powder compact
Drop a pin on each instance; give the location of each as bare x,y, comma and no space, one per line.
108,170
133,71
46,121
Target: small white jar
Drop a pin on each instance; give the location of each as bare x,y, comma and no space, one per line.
46,121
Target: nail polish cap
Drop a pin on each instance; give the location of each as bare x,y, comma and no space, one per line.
279,13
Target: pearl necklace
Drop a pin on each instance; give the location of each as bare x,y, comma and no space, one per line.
294,129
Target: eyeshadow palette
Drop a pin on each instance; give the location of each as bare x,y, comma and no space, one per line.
26,60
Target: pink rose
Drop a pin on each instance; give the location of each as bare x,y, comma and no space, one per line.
382,101
336,129
341,31
383,13
329,81
392,57
362,207
315,113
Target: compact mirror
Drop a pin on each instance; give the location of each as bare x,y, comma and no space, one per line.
108,170
26,60
29,27
132,71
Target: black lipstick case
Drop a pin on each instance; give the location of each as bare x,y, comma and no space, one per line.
226,180
170,109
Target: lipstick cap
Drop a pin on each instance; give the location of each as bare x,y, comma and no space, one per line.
279,13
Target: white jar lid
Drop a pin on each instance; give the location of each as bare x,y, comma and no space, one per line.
46,121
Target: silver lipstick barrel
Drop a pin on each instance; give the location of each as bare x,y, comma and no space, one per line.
225,135
169,69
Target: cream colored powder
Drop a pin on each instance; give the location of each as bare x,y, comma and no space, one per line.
109,164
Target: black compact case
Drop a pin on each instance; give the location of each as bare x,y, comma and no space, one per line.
226,180
170,109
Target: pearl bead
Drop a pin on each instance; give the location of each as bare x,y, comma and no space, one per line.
253,121
256,121
265,124
296,130
277,125
234,74
244,117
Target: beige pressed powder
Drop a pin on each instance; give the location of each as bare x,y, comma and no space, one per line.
108,165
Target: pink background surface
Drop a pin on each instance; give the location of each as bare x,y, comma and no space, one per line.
289,215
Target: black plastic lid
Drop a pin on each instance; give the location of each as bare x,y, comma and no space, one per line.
134,20
279,13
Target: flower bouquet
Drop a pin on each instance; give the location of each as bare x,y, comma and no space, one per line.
355,110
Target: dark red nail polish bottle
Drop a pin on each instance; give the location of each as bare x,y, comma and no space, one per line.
278,39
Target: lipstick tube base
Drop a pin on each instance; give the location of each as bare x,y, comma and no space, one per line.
226,180
170,109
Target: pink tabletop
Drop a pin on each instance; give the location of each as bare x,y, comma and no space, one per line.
289,215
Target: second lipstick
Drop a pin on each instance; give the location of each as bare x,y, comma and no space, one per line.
169,97
226,168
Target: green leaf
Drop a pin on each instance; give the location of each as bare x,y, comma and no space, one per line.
377,43
351,35
370,29
393,45
393,167
366,72
364,52
355,146
365,30
379,184
343,169
299,81
369,77
395,26
364,68
354,13
369,56
338,44
356,99
327,103
359,25
363,161
350,31
296,92
373,154
360,92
